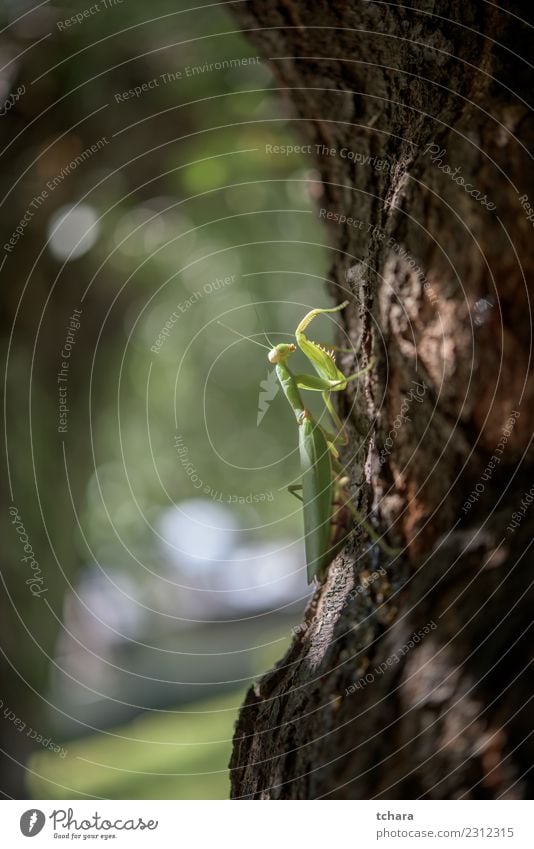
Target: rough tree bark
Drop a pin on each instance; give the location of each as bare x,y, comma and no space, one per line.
438,281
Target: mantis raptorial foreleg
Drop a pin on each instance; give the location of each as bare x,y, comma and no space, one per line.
320,384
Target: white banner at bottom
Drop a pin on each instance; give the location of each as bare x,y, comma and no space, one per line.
264,825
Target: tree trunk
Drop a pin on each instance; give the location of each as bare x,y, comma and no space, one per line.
410,675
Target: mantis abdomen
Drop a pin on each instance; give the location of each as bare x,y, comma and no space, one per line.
317,495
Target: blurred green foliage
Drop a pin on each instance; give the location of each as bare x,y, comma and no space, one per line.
185,194
154,757
181,754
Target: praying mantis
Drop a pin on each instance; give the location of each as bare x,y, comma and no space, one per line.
324,493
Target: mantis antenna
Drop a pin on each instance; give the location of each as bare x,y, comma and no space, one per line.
262,327
242,336
260,322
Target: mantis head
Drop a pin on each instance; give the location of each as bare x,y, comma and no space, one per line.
280,353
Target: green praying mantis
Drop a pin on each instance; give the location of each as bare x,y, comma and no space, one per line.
324,493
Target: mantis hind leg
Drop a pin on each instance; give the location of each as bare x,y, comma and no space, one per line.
343,499
342,437
362,371
293,488
370,531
